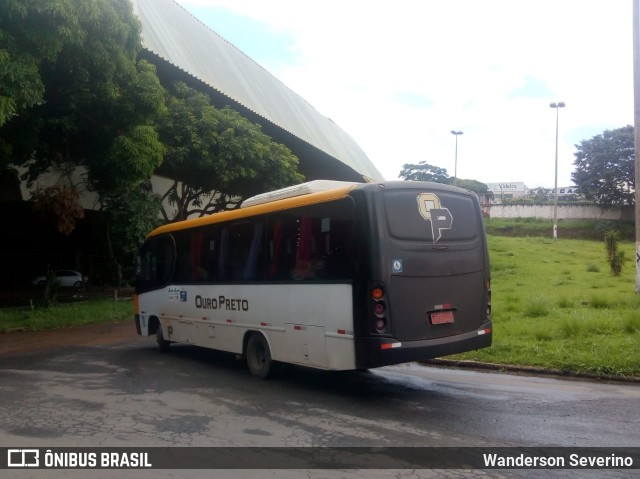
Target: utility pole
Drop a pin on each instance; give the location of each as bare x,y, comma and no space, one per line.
455,171
636,119
557,107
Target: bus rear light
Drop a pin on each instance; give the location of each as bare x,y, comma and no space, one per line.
379,309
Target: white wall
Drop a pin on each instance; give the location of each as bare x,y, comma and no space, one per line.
565,212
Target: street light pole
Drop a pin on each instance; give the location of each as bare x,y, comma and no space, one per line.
455,171
557,106
636,136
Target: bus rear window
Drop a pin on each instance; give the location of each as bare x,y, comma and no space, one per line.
431,216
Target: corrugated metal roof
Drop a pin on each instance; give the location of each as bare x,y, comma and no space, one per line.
173,34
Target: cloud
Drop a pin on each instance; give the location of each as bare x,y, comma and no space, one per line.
398,76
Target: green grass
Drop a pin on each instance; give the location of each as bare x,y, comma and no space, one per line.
567,229
555,304
69,314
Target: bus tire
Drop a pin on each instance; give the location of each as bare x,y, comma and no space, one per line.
258,356
163,344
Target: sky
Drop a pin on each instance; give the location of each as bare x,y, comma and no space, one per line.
398,76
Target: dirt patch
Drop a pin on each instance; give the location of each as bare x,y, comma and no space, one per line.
88,335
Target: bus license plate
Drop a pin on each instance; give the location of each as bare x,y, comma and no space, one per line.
442,317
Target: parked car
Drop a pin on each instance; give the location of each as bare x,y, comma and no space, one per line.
66,277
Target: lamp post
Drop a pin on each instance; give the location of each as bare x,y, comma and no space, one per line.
557,106
455,171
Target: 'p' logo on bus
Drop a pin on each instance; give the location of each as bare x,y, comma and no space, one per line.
23,458
431,210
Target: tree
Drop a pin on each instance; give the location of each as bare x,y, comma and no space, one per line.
23,48
216,157
74,97
604,168
87,101
424,172
130,215
472,185
63,203
540,195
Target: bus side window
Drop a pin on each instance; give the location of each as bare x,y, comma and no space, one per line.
253,268
305,249
183,264
155,263
211,256
242,252
190,251
204,258
340,242
222,255
282,239
311,243
196,261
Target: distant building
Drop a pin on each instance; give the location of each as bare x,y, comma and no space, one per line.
507,190
567,190
517,189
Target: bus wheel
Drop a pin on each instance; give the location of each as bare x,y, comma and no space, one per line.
163,344
258,356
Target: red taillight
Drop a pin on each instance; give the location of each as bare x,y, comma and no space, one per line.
378,320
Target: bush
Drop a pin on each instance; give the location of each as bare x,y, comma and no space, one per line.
615,257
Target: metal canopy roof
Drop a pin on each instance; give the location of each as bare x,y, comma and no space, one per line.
186,46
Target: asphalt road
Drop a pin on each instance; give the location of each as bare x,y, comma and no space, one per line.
121,392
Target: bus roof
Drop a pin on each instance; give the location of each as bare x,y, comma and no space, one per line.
318,191
315,186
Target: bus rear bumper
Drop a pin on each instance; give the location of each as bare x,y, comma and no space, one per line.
373,352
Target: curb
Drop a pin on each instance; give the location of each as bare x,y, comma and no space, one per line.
534,371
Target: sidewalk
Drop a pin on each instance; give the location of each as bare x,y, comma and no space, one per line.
530,370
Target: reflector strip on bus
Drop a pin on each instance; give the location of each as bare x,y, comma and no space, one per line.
438,307
344,332
484,331
390,345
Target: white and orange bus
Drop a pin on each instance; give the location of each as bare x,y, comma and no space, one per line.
326,274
